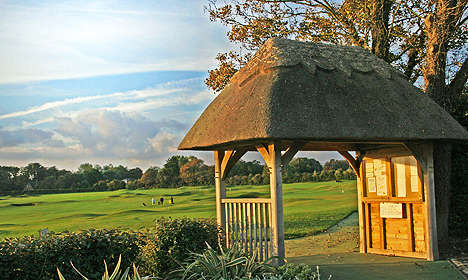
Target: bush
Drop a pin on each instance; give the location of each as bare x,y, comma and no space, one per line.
117,274
230,263
297,272
38,258
171,242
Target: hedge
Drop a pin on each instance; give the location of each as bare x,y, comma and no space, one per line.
171,242
156,251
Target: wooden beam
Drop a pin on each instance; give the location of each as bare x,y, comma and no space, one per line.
227,156
430,210
265,154
220,188
290,153
276,192
362,214
230,160
418,152
352,161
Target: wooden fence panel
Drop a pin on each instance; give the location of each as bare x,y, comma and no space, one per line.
248,225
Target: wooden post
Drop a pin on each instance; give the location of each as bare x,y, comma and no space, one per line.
362,214
220,189
276,192
429,197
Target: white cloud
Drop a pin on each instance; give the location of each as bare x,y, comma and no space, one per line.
82,39
164,142
11,138
134,94
116,134
99,136
163,102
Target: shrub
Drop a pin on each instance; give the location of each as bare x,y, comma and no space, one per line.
116,275
230,263
171,242
297,272
37,258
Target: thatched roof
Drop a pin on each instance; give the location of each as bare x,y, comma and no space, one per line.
304,91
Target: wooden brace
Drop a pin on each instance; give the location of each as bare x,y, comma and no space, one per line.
354,162
230,158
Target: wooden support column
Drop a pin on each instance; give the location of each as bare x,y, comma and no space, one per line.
224,161
424,154
361,209
220,188
272,156
276,192
429,197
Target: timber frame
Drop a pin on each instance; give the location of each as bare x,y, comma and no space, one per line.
301,96
241,218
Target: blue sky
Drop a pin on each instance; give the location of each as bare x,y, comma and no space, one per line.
103,81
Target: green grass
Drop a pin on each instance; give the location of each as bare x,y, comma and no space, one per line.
308,208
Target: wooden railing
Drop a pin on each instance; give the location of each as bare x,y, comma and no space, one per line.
248,225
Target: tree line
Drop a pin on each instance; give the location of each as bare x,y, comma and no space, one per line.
35,178
177,171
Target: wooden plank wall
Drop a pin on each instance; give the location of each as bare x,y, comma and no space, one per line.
402,236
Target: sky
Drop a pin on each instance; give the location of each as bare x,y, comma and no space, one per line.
104,82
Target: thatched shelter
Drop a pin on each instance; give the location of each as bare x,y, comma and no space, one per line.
295,96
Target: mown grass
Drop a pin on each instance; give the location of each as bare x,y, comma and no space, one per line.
308,208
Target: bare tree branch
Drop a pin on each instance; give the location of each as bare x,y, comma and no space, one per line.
458,82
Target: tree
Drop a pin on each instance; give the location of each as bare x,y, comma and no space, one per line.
135,173
421,38
169,175
8,179
426,40
33,173
334,164
244,168
195,172
150,177
339,174
66,181
301,165
91,174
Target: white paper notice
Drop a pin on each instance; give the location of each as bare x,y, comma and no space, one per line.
413,170
401,178
376,166
414,184
381,185
380,167
391,210
369,168
371,184
414,175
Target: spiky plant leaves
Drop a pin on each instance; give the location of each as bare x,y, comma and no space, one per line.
230,263
116,274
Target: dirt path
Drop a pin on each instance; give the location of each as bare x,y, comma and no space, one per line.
341,238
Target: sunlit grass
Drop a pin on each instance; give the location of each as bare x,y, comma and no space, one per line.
308,208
